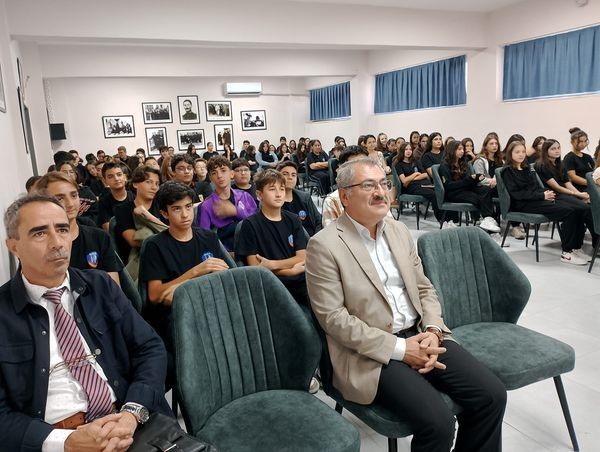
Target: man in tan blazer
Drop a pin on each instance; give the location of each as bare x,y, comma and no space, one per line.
386,337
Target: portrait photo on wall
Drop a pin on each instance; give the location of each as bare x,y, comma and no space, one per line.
118,126
224,134
188,109
157,112
218,110
155,138
191,136
254,120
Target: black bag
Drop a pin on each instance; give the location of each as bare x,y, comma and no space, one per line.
162,433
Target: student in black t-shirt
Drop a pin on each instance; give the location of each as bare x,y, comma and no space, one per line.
92,247
242,175
577,163
210,152
182,166
116,180
297,201
274,238
88,199
434,152
318,166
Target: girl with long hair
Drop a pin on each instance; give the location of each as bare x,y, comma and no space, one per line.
433,152
577,163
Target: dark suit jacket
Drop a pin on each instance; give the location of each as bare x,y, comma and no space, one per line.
132,356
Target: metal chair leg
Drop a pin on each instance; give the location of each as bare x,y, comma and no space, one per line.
417,206
338,408
596,249
526,234
536,228
553,226
392,444
565,409
443,218
505,234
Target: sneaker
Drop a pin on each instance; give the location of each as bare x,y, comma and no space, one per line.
498,239
314,385
518,232
449,225
489,224
582,254
571,258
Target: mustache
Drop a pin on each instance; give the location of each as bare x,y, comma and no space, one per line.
58,254
379,197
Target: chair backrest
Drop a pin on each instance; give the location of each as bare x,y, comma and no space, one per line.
396,181
236,239
502,192
238,332
594,191
474,278
438,186
332,164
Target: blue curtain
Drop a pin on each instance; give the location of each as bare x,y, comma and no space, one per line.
330,102
568,63
438,84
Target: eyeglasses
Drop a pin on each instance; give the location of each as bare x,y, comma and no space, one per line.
370,184
241,170
73,363
184,169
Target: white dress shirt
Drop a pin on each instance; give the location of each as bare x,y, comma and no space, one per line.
66,396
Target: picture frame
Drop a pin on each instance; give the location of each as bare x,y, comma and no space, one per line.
191,136
223,134
218,110
157,112
189,112
156,137
254,120
118,126
2,96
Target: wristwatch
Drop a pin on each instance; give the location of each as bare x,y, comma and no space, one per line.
439,335
139,411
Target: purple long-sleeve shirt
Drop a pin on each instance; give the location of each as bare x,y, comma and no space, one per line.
244,205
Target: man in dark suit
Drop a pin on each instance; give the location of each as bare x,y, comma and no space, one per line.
73,350
385,333
189,115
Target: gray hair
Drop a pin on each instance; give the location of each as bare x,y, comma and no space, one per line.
11,216
345,174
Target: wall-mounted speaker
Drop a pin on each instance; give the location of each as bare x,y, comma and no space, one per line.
57,131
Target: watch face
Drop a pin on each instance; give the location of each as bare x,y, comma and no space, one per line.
144,415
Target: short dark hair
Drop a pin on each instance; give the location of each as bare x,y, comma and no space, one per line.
142,173
246,141
351,151
31,182
122,148
100,151
110,165
282,138
217,162
170,192
62,156
267,177
187,158
239,162
287,163
163,148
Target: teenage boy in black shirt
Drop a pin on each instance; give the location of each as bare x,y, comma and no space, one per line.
274,238
297,201
242,177
182,166
116,180
91,247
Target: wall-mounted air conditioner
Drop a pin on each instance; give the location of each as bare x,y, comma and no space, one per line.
243,89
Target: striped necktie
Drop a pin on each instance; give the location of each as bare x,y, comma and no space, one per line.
73,353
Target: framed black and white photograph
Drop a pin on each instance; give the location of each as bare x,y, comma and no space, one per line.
156,137
157,112
189,112
219,110
2,98
118,126
191,136
224,134
254,120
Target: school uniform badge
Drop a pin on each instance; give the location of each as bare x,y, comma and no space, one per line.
92,259
291,240
302,215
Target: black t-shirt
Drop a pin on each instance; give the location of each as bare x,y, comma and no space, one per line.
88,202
203,189
166,259
313,158
581,166
107,205
406,168
251,191
429,159
93,249
207,155
98,187
299,208
547,173
125,221
275,240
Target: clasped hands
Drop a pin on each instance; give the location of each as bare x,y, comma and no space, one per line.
111,433
422,351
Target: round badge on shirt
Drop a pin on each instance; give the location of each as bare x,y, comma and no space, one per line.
92,258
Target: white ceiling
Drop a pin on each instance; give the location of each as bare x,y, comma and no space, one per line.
440,5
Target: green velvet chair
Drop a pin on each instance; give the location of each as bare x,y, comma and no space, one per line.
245,357
594,192
520,217
445,206
408,198
483,311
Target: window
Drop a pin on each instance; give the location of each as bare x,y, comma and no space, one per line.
438,84
330,102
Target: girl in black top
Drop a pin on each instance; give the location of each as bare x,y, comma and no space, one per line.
461,186
299,157
534,152
469,147
250,155
433,152
526,195
576,162
228,153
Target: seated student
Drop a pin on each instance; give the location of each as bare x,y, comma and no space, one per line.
174,256
332,206
469,148
182,167
318,166
229,153
526,195
226,207
210,152
460,186
274,238
577,163
374,153
152,163
265,157
412,179
535,151
31,182
249,153
434,152
242,176
116,180
141,213
202,187
91,247
299,202
89,201
299,157
596,173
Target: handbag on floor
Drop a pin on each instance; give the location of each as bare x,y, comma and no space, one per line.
162,433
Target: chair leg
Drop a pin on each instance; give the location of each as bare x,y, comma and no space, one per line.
536,228
338,408
443,218
596,249
526,234
552,233
505,233
426,210
460,218
418,205
392,444
565,409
